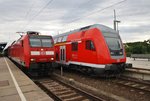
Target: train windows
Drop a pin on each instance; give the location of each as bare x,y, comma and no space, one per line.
47,43
41,41
64,38
74,46
59,39
113,43
55,40
35,42
90,45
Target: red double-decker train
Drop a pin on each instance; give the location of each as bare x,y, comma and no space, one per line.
92,49
34,52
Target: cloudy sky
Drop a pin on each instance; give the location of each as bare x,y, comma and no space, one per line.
56,16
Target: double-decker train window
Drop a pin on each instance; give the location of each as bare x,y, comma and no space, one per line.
59,39
90,45
74,46
64,38
55,40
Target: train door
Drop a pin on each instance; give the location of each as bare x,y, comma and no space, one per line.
62,54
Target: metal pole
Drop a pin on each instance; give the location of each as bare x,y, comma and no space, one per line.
116,22
114,19
61,70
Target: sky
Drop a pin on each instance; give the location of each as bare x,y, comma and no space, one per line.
52,17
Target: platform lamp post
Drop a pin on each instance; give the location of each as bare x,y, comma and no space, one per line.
61,70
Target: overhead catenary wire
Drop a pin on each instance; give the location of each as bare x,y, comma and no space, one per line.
27,13
45,7
40,11
89,14
77,7
76,19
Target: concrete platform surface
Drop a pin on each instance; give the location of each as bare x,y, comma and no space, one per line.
139,63
16,86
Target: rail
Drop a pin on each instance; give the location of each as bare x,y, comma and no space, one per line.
61,91
141,86
142,56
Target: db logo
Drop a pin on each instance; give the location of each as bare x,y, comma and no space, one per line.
42,53
118,60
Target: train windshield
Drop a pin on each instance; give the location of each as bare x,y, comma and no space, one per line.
41,41
113,43
35,42
46,43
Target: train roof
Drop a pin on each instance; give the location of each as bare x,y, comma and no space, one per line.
32,33
101,27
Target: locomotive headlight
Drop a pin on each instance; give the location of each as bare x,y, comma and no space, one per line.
52,58
32,60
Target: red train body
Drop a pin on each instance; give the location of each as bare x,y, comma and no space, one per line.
95,48
33,51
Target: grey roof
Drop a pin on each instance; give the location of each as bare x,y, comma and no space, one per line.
101,27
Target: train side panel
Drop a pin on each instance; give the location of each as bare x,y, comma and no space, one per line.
37,58
97,46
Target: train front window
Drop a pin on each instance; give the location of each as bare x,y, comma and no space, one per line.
35,42
41,41
113,43
46,42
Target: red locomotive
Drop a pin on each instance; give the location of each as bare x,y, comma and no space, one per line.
33,52
94,49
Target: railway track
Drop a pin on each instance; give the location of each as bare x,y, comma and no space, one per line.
141,86
61,91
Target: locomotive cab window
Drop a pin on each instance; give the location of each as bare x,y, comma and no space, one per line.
74,46
47,43
90,45
34,42
41,41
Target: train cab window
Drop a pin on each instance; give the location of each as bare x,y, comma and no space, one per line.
64,38
59,39
40,41
74,46
47,43
35,42
90,45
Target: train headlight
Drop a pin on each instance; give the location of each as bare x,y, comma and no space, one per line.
112,53
120,52
32,60
52,58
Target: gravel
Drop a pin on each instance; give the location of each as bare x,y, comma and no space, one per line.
105,84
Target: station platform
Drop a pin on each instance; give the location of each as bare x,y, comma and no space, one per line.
16,86
139,63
